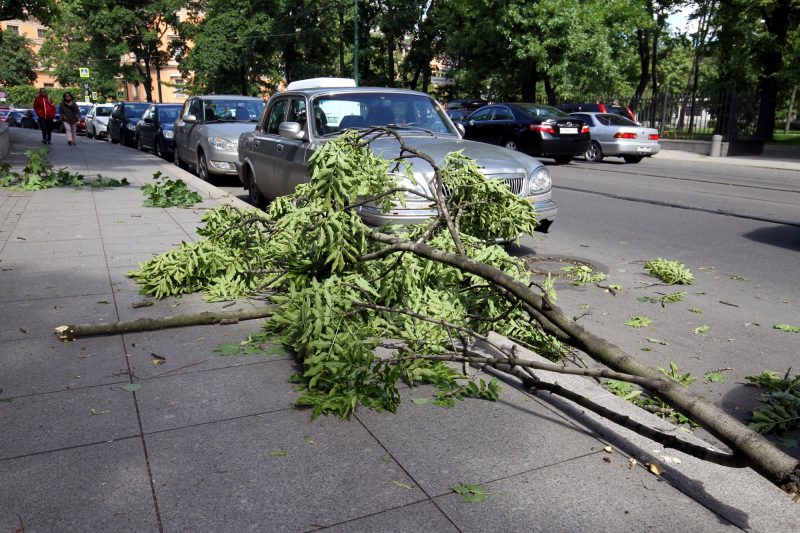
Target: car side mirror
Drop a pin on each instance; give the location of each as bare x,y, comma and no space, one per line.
291,130
460,128
189,118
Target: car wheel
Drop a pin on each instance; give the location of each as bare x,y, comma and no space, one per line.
111,138
594,153
544,226
89,134
157,148
178,161
632,158
139,144
563,159
254,194
202,167
511,145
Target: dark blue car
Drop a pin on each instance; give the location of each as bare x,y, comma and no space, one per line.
154,131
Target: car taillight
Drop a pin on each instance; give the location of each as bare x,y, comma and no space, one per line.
624,135
653,136
542,128
585,129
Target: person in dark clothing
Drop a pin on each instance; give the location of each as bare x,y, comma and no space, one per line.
46,109
70,115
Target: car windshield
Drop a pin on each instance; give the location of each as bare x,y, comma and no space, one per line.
541,111
135,110
103,111
232,110
167,115
338,112
84,109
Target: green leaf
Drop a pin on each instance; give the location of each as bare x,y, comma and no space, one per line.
701,329
96,412
402,485
130,387
419,401
787,327
470,493
695,310
671,272
280,452
309,439
788,442
228,349
715,377
639,322
657,341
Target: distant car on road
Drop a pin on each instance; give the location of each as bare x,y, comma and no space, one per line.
154,131
123,120
273,159
14,118
97,121
535,129
207,132
615,135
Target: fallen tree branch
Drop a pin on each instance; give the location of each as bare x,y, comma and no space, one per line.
72,332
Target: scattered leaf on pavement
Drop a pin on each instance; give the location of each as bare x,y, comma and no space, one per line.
402,485
695,310
130,387
639,322
278,453
655,468
715,377
657,341
227,349
98,412
787,327
701,329
470,493
158,359
420,401
309,440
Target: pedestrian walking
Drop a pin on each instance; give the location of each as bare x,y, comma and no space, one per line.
70,115
46,110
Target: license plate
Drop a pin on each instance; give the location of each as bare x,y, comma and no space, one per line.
644,149
569,131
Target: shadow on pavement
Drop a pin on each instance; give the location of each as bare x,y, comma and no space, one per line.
781,236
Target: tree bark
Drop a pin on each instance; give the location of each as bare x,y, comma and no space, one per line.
643,42
72,332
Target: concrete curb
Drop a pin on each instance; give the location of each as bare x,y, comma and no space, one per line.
739,494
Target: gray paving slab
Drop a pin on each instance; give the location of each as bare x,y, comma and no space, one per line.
120,281
476,440
26,285
103,487
153,216
422,517
584,494
46,364
188,303
46,422
277,472
38,318
64,263
143,230
200,397
193,349
33,252
54,231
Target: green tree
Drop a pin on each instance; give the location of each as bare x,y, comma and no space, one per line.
17,65
41,10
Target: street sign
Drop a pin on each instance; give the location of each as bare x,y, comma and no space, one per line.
84,72
94,95
120,94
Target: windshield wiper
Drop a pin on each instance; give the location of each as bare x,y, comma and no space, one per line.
411,127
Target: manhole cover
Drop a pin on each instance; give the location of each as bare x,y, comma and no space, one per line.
541,265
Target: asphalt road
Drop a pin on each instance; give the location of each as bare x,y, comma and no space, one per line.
737,228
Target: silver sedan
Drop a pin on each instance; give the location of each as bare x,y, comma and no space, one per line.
618,136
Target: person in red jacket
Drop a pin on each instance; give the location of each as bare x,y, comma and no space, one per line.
46,109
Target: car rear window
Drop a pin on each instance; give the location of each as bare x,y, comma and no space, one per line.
103,111
135,110
618,120
539,111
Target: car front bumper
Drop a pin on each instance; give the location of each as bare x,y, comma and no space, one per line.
221,163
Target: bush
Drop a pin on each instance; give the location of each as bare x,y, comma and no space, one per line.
23,95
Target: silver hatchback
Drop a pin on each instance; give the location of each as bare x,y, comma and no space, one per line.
273,159
207,130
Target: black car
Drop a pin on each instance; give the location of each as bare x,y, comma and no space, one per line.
14,118
29,119
155,130
534,129
123,120
599,107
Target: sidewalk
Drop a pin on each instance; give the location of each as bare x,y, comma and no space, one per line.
755,161
213,443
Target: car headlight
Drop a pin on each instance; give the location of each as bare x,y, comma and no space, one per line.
540,181
131,127
222,144
168,134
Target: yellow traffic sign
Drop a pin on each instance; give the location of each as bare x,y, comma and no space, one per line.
84,72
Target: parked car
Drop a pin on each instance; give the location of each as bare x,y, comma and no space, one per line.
154,131
97,121
82,122
29,119
534,129
458,115
207,130
599,107
273,159
123,120
4,112
14,118
615,135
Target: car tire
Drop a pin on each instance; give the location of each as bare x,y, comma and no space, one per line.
111,138
563,159
178,162
157,149
89,134
139,145
633,159
511,145
594,154
258,200
202,167
544,226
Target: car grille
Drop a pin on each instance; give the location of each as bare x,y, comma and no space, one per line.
515,182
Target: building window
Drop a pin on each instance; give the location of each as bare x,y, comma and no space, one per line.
13,29
41,33
178,85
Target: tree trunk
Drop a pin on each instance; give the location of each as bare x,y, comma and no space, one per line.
530,78
791,110
341,41
390,71
147,79
643,42
550,91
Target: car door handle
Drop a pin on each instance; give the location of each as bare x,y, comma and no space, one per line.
256,143
280,148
